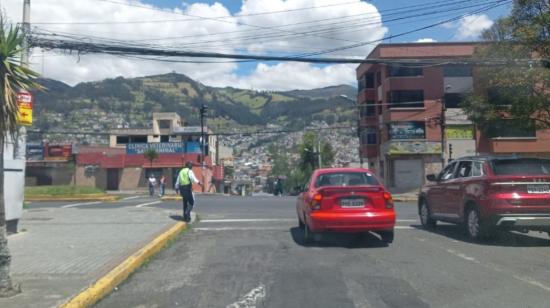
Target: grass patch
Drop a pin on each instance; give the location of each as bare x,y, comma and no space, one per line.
61,190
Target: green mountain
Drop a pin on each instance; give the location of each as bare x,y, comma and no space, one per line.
129,102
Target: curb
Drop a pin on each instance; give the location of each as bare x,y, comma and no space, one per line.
104,285
72,198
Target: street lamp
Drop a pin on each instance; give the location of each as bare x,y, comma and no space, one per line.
344,96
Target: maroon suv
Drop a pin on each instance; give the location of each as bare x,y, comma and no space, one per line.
488,192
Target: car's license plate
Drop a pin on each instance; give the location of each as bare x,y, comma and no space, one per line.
538,189
352,202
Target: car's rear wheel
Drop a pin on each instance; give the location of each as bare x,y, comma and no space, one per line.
300,223
308,235
425,216
476,229
387,236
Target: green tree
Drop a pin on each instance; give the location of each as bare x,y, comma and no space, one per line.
517,90
327,154
13,78
150,154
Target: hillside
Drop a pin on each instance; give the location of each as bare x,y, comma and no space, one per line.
129,102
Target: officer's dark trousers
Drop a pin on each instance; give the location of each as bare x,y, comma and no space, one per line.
188,201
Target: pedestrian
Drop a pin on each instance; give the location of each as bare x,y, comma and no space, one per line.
152,183
185,181
279,187
162,185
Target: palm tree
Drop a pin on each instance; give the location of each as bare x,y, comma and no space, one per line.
13,78
150,154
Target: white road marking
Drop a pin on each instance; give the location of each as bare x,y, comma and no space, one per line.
403,228
81,203
266,228
241,229
130,198
148,203
524,279
249,220
251,299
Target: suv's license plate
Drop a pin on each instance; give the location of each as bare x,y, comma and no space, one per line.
352,202
538,189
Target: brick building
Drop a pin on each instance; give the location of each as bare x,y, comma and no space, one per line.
122,165
401,108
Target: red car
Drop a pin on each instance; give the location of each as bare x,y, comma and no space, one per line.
489,192
345,200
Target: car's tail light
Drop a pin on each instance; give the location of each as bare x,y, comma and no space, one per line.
388,200
316,201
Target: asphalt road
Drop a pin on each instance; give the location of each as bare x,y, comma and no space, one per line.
247,252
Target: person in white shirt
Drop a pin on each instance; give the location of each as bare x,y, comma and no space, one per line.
186,178
152,184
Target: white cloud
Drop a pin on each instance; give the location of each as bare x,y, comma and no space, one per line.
289,76
349,23
425,40
470,27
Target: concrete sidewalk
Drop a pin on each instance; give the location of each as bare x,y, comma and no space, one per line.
62,251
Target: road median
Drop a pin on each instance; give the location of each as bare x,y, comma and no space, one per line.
103,286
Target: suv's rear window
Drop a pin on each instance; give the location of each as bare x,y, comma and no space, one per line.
521,166
346,179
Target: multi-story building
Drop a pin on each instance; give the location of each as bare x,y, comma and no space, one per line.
122,164
402,107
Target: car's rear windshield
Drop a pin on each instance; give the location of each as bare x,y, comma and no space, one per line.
521,166
346,179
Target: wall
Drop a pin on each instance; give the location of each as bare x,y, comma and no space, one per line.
97,178
130,178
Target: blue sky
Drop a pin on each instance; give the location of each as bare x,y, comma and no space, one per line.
438,33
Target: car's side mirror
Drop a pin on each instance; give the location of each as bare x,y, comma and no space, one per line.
431,178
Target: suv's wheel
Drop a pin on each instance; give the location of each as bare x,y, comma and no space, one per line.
475,228
425,215
387,236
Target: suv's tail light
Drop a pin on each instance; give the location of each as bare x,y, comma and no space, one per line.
316,201
388,199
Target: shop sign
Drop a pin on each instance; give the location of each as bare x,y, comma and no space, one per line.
160,147
412,147
459,132
407,130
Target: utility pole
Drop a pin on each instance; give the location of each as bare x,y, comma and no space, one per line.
442,125
21,136
203,111
319,152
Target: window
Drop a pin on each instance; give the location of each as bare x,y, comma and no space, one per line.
404,71
366,82
448,172
457,71
521,166
508,128
453,100
164,138
406,98
464,169
122,139
367,109
477,169
346,179
368,136
138,139
164,124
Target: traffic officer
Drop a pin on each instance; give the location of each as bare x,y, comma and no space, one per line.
186,178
